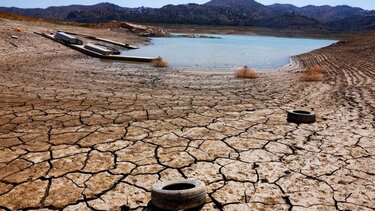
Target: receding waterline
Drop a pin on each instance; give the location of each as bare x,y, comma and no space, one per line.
260,52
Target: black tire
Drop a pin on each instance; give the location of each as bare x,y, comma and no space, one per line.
178,195
301,116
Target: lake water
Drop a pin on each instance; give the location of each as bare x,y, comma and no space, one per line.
260,52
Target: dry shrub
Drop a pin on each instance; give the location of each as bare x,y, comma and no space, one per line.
313,74
246,72
159,62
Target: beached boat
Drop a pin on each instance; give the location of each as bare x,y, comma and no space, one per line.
95,50
124,45
68,38
100,49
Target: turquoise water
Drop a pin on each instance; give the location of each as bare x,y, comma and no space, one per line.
230,51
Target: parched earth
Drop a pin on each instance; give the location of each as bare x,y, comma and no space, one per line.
78,133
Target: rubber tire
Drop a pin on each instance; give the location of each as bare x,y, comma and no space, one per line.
301,116
178,199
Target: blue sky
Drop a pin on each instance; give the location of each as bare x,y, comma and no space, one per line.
366,4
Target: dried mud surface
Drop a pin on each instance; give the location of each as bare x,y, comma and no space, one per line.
77,133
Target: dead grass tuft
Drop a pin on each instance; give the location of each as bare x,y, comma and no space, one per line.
159,62
246,72
313,74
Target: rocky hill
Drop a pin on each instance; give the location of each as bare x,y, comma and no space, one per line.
321,13
218,12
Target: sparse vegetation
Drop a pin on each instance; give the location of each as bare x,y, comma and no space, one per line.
246,72
159,62
11,16
312,74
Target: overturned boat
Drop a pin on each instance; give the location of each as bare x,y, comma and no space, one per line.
101,49
68,38
124,45
92,49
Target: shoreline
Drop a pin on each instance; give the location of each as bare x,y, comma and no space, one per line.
237,30
249,33
293,65
288,66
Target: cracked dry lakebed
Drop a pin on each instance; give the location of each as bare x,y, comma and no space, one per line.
78,133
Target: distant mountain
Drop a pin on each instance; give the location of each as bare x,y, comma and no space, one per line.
250,8
295,21
246,5
354,23
283,8
217,12
321,13
55,13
